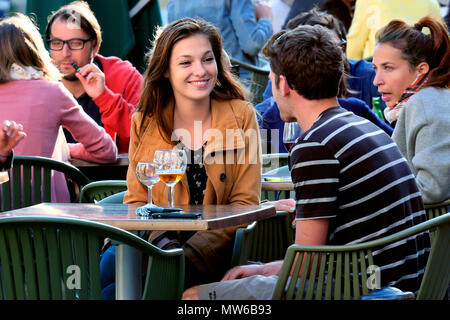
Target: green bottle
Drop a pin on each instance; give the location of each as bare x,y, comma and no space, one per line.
376,107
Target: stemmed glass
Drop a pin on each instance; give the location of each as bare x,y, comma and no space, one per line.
146,174
291,132
170,166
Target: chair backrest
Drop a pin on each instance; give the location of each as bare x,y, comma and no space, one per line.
435,210
264,241
115,198
340,272
436,279
272,161
258,80
48,258
95,191
30,181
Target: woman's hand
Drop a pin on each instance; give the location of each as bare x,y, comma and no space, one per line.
11,133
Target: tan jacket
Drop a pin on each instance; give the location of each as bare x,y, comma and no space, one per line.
231,180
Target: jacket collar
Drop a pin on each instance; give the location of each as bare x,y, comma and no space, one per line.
226,134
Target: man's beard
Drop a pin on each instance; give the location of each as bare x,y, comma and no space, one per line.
70,77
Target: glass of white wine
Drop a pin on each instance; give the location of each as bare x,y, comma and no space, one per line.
146,174
170,166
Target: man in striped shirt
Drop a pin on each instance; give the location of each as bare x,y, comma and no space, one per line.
351,182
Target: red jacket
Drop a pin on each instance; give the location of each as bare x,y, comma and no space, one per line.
118,101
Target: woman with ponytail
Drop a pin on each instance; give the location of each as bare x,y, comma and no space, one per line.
412,64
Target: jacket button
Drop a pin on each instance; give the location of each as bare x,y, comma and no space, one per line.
223,176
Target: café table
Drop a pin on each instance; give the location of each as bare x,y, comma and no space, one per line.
128,260
103,171
277,182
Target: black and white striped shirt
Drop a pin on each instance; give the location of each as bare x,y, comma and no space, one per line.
350,171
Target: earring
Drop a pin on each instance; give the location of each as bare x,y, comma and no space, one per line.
415,80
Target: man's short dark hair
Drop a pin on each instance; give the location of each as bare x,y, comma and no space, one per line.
310,58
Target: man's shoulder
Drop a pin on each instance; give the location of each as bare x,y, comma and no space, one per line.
331,117
337,126
114,64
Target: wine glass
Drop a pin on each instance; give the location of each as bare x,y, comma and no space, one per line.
146,174
170,165
291,132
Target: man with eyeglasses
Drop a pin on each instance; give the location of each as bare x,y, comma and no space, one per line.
107,88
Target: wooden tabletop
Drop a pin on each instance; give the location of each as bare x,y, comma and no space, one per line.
283,185
124,215
122,160
275,182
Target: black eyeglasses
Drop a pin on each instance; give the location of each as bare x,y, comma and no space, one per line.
74,44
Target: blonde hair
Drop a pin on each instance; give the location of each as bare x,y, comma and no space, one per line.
22,45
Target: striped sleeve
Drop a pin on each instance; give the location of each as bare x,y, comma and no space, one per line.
315,175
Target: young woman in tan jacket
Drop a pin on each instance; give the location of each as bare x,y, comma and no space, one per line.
190,100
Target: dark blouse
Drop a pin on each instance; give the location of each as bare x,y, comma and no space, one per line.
7,164
196,175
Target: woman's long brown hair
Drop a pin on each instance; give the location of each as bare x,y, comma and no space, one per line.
22,44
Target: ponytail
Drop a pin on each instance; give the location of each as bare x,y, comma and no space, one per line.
440,61
417,47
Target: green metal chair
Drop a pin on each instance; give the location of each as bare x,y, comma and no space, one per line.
263,241
95,191
437,209
115,198
258,80
266,240
344,267
49,258
271,161
30,181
